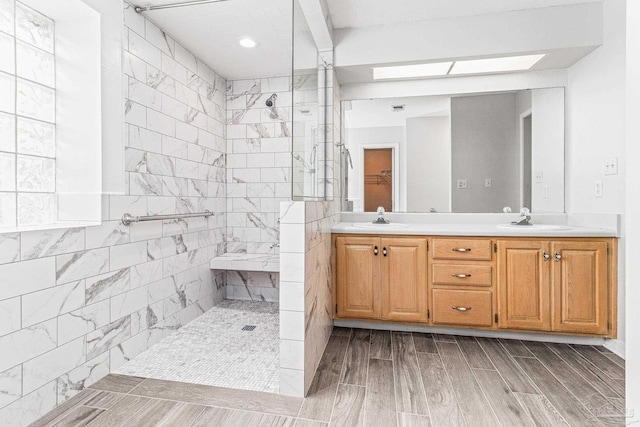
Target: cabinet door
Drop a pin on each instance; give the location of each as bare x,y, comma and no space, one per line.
523,285
579,286
404,279
358,277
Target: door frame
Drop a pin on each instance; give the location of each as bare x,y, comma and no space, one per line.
524,115
395,173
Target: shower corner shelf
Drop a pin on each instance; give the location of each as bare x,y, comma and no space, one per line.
246,262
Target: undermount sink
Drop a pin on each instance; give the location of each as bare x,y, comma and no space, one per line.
391,225
534,227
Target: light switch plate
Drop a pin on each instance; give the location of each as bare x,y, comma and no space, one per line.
487,182
539,176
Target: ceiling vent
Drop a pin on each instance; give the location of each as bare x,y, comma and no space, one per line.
397,108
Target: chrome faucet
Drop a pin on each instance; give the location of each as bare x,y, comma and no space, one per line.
380,219
525,217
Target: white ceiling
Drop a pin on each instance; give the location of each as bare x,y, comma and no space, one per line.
371,13
211,32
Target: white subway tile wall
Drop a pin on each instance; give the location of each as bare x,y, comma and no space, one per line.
27,121
77,303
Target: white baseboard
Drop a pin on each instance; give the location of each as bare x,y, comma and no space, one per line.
529,336
616,346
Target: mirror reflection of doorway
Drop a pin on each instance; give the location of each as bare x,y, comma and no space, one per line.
378,179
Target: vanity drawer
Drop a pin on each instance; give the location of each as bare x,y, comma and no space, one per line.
452,307
471,249
460,274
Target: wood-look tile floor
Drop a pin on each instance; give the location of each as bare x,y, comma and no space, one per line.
380,378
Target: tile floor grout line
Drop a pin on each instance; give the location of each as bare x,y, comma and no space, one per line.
486,399
344,363
393,375
582,404
577,372
453,391
424,391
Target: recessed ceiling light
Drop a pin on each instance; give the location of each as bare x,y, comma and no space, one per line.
247,42
495,65
409,71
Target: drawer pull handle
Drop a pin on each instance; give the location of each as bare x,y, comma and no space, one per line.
461,276
455,307
461,249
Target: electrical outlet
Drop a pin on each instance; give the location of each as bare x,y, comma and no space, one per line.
539,177
487,182
545,190
611,166
462,184
598,188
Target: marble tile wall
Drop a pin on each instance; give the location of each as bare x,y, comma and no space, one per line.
77,303
258,178
258,162
306,272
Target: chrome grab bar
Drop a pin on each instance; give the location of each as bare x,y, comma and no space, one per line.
128,219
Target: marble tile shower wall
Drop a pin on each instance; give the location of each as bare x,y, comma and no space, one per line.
77,303
258,178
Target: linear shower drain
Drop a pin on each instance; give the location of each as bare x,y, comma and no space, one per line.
248,327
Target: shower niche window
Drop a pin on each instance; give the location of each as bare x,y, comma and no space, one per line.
49,114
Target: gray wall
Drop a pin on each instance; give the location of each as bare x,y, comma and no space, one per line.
484,145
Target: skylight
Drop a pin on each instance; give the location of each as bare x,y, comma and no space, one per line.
409,71
473,66
495,65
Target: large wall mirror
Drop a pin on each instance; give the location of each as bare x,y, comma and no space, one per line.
477,152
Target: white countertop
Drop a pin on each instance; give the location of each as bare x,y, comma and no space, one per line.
246,262
489,230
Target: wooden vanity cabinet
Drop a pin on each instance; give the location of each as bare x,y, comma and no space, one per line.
559,286
564,285
523,285
462,282
579,287
358,277
382,278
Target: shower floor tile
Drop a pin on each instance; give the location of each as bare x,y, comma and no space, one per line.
215,350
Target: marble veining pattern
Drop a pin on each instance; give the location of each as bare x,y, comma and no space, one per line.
220,352
258,162
90,299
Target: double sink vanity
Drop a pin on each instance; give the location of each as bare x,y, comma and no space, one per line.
552,278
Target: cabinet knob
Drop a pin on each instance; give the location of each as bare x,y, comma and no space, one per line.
461,249
461,276
456,307
545,256
384,251
557,256
375,250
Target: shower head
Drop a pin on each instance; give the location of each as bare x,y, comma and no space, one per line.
271,101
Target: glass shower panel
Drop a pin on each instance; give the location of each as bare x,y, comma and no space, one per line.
309,106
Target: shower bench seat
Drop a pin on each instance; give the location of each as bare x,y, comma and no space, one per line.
246,262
